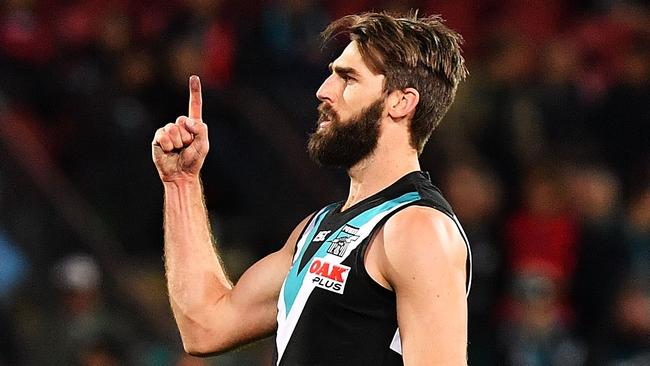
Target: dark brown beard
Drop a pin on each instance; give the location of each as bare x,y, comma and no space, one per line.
344,144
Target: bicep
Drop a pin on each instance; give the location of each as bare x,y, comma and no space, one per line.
426,255
248,312
251,306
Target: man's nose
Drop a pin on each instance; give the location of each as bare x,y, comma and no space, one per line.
326,90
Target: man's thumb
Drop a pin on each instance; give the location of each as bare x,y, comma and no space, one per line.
198,129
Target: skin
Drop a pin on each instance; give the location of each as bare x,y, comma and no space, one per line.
428,279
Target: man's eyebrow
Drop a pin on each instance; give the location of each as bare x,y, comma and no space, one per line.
340,70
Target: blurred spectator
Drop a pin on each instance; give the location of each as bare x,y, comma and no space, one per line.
631,338
14,268
623,117
101,351
632,346
91,81
536,332
476,195
14,271
637,236
602,259
510,134
203,42
291,29
84,328
542,234
25,34
561,105
10,348
540,253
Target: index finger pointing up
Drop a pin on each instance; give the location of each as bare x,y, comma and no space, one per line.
195,98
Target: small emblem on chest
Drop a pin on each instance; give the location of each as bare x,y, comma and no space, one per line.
321,235
327,275
343,239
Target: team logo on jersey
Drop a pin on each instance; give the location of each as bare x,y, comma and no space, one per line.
343,239
328,275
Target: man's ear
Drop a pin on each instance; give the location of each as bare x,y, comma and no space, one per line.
401,103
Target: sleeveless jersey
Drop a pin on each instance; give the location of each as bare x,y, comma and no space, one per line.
330,311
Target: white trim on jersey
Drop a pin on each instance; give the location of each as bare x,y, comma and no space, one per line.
299,245
396,343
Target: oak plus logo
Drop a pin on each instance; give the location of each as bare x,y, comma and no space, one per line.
327,275
343,239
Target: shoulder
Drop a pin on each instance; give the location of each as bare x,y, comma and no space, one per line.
421,238
418,226
414,220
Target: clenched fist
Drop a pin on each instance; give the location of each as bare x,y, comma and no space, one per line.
179,148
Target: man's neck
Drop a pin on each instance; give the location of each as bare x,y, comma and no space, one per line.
383,168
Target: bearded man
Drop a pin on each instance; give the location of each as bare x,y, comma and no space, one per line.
380,278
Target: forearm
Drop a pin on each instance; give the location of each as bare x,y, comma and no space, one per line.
195,276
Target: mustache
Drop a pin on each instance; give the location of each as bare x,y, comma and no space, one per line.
326,112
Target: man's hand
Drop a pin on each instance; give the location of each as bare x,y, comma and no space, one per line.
179,148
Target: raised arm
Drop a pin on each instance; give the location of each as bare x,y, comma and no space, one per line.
212,315
424,262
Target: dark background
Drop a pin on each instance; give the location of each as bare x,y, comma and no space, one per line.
544,155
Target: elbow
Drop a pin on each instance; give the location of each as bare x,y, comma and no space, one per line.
201,333
198,340
197,350
194,349
201,341
200,348
199,336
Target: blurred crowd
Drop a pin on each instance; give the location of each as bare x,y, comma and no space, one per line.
545,156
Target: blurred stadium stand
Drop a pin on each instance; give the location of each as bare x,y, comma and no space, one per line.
545,155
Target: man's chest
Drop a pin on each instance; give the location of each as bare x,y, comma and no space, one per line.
328,258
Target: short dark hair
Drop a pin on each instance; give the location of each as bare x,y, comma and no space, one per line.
422,53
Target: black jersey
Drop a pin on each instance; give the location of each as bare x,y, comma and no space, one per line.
330,311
